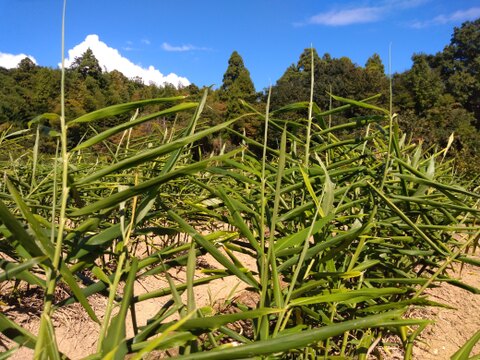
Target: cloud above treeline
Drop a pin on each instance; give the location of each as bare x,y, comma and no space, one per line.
457,16
347,16
11,61
350,14
182,48
111,59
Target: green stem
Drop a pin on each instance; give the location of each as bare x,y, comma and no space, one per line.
263,323
310,110
65,190
48,341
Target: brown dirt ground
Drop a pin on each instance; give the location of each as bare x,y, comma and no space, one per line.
77,334
451,327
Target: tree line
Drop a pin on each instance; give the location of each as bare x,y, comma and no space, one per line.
438,96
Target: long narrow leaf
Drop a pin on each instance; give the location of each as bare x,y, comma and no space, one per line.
16,333
129,124
130,192
464,352
116,337
214,251
148,155
121,108
12,270
302,339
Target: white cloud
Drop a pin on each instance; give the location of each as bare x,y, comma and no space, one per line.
349,14
347,17
167,47
404,4
111,59
457,16
146,41
464,15
10,61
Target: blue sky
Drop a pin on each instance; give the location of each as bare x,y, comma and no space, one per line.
191,41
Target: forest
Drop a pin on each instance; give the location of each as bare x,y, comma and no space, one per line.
438,96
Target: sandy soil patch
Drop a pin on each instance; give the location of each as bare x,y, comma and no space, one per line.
77,334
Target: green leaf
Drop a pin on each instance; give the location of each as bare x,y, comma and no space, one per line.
309,187
171,340
352,296
98,272
24,242
235,210
47,247
46,116
17,133
148,155
34,224
180,287
149,197
129,124
156,342
121,108
410,223
210,323
9,353
211,248
298,238
19,271
464,352
333,243
302,339
16,333
46,346
115,341
67,276
328,194
361,104
191,266
117,198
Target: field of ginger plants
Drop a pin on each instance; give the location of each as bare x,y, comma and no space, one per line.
344,234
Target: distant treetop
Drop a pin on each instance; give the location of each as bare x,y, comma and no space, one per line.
236,80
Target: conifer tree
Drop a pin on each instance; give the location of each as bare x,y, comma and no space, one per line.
375,80
236,85
236,80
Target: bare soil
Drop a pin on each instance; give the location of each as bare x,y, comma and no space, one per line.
451,327
77,335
